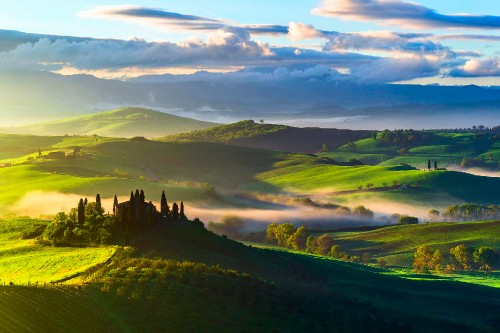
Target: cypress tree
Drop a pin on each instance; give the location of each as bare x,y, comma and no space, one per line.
132,214
85,202
435,165
429,164
115,203
175,211
98,205
182,215
81,212
137,193
163,204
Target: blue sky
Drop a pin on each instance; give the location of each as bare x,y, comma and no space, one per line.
463,48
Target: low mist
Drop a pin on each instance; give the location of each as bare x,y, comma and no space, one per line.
38,203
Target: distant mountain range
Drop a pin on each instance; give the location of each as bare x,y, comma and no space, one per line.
123,122
28,97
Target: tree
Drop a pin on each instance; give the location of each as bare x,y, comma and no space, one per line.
39,152
464,256
363,212
92,211
429,165
271,232
98,202
164,208
85,202
182,215
423,259
485,258
282,232
312,244
175,212
325,243
437,260
352,146
324,148
132,210
81,212
433,215
405,219
298,239
435,165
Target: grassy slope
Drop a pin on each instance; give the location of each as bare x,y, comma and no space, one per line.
247,133
23,261
114,166
397,244
330,178
123,122
284,292
445,148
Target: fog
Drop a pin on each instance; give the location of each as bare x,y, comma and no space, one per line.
475,171
38,203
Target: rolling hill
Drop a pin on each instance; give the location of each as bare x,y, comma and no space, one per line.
189,169
248,133
123,122
448,148
182,277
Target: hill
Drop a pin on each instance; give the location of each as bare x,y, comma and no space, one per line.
248,133
189,170
397,244
447,148
123,122
42,96
168,282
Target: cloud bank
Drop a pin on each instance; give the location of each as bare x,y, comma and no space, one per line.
403,13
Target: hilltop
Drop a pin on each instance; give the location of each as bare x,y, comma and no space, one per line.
248,133
122,122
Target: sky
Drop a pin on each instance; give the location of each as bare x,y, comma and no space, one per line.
371,41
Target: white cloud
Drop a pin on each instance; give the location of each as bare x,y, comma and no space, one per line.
478,68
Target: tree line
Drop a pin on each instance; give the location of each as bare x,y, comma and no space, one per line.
466,212
461,258
300,239
402,136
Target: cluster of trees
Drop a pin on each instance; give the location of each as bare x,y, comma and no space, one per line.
174,214
85,223
137,216
299,239
231,132
402,136
466,212
462,258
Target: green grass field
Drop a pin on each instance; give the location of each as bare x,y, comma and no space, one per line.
184,169
446,148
